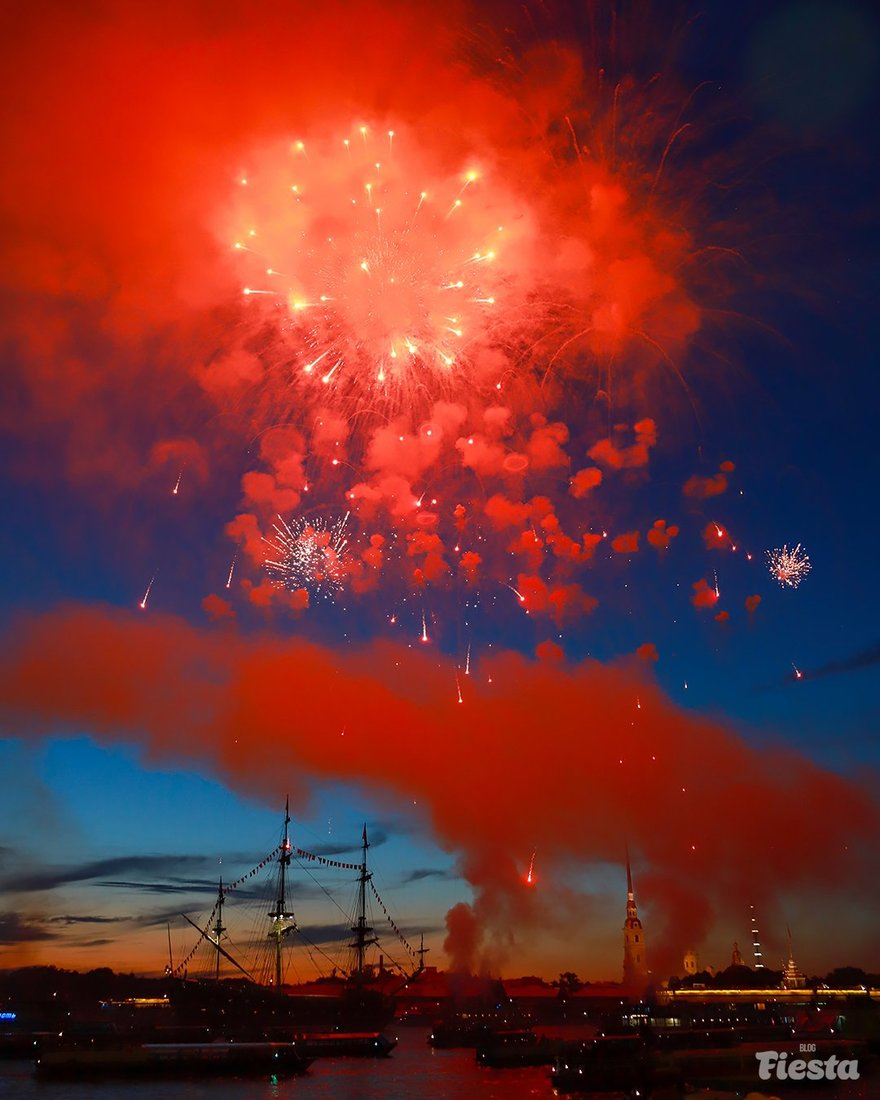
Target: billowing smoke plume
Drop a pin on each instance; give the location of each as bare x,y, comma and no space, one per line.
565,760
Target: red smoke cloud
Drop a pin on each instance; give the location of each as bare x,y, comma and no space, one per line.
704,595
256,710
133,351
136,353
153,118
701,488
660,536
215,607
627,543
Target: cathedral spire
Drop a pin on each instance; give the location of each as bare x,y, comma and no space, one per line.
635,967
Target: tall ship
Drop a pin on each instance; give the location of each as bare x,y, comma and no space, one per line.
251,998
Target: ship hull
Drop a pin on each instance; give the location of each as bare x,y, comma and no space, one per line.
155,1060
244,1010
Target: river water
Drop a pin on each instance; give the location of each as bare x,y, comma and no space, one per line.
413,1072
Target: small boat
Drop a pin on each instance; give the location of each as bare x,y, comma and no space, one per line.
513,1049
340,1044
152,1060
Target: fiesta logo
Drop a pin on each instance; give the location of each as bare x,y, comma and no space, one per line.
773,1064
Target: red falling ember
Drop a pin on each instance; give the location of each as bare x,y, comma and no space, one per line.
530,874
143,604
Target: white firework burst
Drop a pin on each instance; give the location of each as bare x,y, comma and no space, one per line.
788,566
308,553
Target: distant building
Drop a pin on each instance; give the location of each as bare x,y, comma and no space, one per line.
756,941
736,958
635,961
691,962
792,978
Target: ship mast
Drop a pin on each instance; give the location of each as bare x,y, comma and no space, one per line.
279,915
363,934
218,928
422,951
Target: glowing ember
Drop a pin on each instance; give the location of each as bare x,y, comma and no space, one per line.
143,603
789,567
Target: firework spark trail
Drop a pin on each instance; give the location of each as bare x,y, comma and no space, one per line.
231,571
516,593
308,553
377,284
143,604
788,567
530,876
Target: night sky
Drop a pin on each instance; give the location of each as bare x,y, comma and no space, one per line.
557,320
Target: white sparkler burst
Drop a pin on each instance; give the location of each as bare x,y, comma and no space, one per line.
788,566
308,553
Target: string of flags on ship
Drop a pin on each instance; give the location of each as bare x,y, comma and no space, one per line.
301,853
259,867
397,931
182,965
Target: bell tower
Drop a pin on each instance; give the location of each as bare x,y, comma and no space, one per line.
635,966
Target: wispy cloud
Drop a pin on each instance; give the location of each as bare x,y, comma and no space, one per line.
16,928
862,658
69,919
50,878
420,873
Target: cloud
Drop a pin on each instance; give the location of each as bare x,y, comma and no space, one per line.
584,481
701,488
862,658
704,595
627,543
659,536
419,874
215,607
50,878
240,705
69,919
16,928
